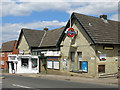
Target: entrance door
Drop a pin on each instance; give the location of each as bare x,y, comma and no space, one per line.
12,67
72,60
101,68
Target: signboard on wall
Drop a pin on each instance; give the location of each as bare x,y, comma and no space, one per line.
64,63
85,66
102,57
56,65
49,64
70,32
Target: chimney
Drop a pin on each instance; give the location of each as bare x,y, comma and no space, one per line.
45,29
103,16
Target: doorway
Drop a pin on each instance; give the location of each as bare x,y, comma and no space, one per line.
101,68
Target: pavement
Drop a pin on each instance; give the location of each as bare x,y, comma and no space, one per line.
112,81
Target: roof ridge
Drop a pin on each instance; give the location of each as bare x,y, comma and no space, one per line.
31,29
94,17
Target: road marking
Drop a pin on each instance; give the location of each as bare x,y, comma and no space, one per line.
20,86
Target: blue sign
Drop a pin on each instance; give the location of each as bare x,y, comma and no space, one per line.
85,66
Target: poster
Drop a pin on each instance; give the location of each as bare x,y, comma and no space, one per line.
102,57
56,65
64,63
49,64
85,66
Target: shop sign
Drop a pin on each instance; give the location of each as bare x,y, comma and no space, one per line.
56,65
102,57
64,63
71,32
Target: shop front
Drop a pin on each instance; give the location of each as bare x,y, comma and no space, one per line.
50,62
23,64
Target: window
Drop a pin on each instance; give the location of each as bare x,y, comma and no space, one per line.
101,68
2,63
3,55
34,53
79,60
34,63
24,62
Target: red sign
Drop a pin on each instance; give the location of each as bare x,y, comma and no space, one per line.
71,32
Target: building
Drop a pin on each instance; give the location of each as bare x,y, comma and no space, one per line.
95,49
44,43
86,46
8,48
23,64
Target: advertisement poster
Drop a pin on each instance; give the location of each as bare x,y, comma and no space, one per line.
85,66
64,63
56,65
49,64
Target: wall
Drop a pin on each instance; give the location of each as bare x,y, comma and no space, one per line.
111,64
15,51
84,45
23,45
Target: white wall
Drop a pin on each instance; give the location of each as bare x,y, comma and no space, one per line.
22,69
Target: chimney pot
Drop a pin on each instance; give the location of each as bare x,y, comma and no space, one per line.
103,16
45,29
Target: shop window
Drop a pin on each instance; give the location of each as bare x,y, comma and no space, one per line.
34,63
24,62
101,68
34,53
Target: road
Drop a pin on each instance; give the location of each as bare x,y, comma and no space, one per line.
15,81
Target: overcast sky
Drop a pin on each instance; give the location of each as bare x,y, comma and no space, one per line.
36,14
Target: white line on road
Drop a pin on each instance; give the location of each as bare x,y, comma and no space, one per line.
20,86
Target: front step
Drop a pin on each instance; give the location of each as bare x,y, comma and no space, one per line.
107,75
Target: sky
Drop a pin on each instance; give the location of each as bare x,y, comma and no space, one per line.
38,14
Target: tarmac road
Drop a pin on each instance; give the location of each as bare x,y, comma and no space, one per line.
14,81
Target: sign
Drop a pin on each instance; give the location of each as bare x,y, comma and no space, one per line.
56,65
21,52
92,58
64,63
12,57
102,57
49,64
85,66
70,32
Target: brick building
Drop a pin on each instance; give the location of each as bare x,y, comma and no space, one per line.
8,48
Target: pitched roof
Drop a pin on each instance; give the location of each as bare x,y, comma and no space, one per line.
52,37
100,31
8,46
34,37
